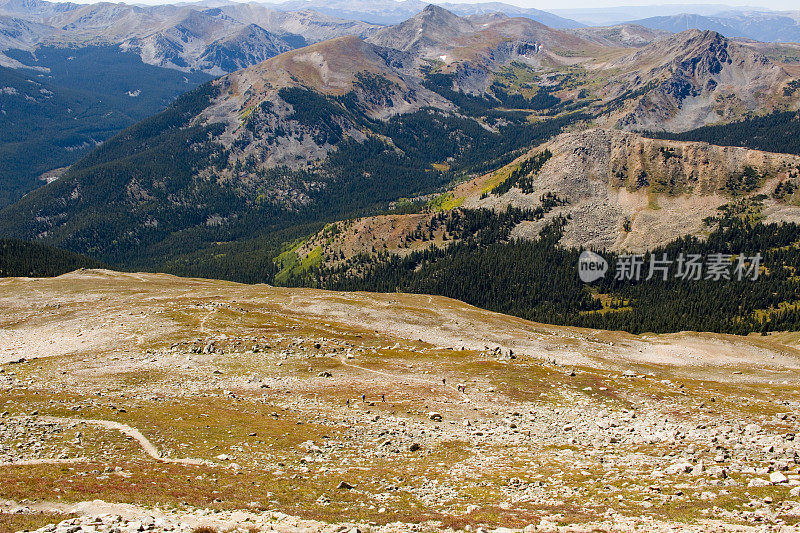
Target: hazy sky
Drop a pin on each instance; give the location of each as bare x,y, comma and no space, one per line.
549,5
784,5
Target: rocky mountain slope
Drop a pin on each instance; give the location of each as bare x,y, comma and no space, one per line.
668,82
431,29
626,192
617,191
344,66
207,43
153,402
312,25
40,9
436,34
694,79
21,34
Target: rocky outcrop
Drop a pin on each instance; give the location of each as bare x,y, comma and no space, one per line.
628,192
693,79
618,190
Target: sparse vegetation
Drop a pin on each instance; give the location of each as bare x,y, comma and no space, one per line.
267,407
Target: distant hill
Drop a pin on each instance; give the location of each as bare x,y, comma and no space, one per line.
29,259
765,27
609,16
392,12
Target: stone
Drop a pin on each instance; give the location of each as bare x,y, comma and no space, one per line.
679,468
717,472
777,477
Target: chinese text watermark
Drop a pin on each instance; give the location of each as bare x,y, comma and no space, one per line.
689,267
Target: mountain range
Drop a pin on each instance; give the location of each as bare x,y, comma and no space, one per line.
441,144
392,11
72,75
213,40
613,15
300,138
755,25
201,40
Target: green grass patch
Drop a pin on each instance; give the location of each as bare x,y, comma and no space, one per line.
445,202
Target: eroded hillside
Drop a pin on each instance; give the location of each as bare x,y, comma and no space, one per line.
618,191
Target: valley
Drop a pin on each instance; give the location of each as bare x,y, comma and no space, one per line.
71,76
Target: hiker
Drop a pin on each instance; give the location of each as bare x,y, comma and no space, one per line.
444,381
383,398
364,398
348,402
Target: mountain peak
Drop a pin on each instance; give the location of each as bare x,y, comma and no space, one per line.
329,67
436,14
425,31
701,35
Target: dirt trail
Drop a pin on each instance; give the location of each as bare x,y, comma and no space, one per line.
203,329
527,436
132,432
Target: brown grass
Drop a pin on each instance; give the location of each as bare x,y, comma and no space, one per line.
10,523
